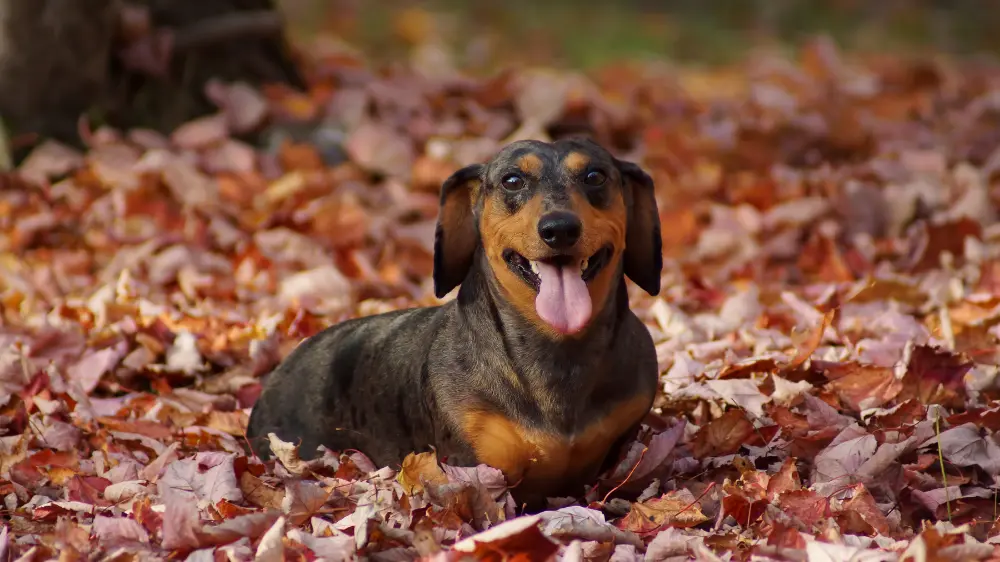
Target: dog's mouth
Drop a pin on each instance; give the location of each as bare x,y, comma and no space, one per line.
530,270
563,300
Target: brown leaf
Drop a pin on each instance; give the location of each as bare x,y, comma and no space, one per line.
863,386
723,435
860,515
302,500
88,489
934,240
420,470
520,536
745,509
260,494
806,347
805,505
675,509
233,423
786,480
785,537
935,376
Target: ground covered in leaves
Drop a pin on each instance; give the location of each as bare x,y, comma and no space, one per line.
827,331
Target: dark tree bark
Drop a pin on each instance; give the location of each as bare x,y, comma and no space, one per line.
61,59
54,57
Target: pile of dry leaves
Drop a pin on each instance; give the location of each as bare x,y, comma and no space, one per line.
827,332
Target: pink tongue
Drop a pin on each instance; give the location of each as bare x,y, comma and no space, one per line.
563,300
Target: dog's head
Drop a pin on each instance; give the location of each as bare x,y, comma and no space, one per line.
559,223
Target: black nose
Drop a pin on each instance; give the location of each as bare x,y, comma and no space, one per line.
559,229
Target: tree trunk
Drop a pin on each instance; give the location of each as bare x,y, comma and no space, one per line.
61,59
54,58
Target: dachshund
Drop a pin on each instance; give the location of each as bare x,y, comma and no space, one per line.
537,367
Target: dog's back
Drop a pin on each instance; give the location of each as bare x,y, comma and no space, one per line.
360,384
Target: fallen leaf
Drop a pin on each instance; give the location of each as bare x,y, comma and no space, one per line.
119,530
935,376
521,536
677,509
302,500
861,515
723,435
964,446
864,386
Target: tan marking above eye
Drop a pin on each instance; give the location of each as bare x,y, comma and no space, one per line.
530,164
575,162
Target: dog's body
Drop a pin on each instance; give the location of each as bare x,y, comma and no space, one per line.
530,370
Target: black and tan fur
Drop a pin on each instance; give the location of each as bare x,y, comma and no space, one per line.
482,379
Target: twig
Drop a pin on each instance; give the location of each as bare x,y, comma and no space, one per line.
944,475
637,463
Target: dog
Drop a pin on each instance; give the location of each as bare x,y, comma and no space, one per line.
538,367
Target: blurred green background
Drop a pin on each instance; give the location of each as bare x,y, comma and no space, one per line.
584,34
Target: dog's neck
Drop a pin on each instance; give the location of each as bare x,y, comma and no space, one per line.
571,364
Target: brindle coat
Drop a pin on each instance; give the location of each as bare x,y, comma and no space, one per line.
482,378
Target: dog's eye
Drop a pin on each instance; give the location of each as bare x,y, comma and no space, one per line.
595,178
513,182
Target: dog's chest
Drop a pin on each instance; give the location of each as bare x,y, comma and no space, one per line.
535,458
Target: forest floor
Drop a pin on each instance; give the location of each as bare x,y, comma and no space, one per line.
826,333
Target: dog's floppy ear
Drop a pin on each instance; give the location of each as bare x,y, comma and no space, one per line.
643,245
456,235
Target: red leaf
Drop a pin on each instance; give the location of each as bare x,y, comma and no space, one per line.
88,489
518,540
935,376
807,506
786,480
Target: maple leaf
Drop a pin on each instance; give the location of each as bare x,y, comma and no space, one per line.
258,493
805,505
861,515
935,376
302,500
740,392
521,535
208,476
723,435
786,480
95,364
119,530
864,386
964,446
677,509
844,457
181,524
577,522
420,470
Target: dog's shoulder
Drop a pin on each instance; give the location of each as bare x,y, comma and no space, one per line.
349,336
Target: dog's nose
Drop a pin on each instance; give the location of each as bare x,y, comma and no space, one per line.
560,229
